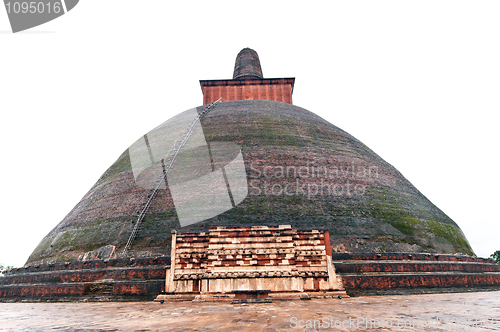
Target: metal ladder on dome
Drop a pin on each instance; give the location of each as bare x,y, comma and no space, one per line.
178,144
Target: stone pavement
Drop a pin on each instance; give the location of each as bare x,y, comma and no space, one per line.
479,311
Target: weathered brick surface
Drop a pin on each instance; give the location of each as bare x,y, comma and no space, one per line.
40,291
147,276
278,89
139,288
366,267
118,277
85,275
353,282
403,270
348,256
128,288
97,264
54,277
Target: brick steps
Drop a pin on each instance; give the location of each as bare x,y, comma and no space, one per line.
390,281
143,279
119,279
366,273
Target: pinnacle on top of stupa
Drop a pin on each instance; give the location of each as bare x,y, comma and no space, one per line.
247,65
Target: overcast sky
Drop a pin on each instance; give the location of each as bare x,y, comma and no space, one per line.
417,82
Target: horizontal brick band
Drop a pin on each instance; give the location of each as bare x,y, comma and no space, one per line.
366,267
407,256
352,282
95,264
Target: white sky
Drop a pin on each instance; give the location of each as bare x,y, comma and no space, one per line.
418,82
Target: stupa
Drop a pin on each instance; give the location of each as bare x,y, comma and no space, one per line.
248,157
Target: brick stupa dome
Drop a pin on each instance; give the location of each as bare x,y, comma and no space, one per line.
300,170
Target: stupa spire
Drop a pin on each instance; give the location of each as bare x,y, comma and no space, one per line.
247,65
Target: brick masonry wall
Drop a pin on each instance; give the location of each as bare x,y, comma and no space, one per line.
146,276
366,267
353,282
39,291
129,288
114,278
96,264
139,288
348,256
